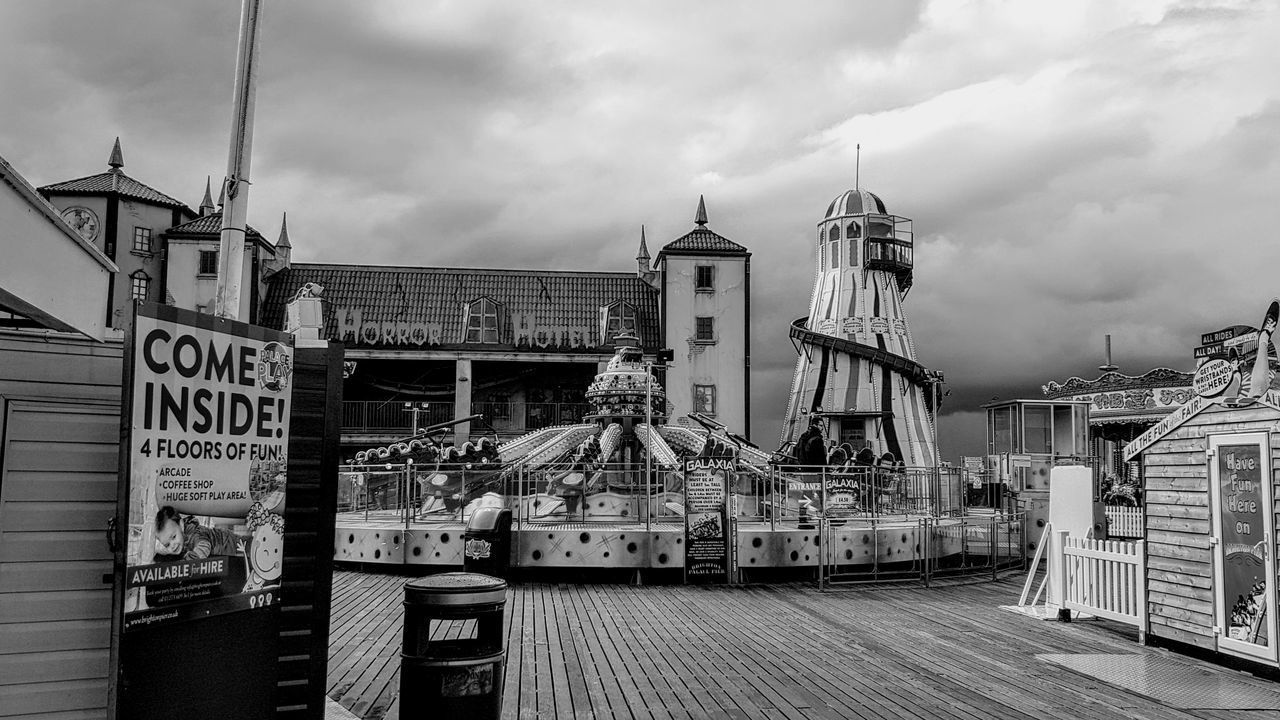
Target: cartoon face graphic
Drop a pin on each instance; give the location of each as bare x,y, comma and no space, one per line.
265,553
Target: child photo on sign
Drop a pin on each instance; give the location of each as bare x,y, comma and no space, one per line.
184,538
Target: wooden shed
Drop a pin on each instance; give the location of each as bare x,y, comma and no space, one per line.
1210,487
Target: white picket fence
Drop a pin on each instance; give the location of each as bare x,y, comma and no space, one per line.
1104,578
1124,521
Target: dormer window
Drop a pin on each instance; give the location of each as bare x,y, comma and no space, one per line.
482,321
617,319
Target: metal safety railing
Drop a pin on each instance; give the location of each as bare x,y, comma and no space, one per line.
390,417
922,548
441,492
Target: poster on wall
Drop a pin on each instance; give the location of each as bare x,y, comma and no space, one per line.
1243,526
208,429
706,549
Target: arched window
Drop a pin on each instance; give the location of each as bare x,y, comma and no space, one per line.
853,231
834,236
482,321
139,285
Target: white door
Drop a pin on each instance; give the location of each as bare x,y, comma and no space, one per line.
1244,566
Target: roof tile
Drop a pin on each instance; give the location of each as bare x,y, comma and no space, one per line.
116,182
438,295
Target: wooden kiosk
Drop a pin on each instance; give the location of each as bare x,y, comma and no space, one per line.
1210,488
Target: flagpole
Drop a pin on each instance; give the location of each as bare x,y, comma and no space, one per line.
236,183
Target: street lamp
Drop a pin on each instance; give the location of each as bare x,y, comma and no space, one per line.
415,408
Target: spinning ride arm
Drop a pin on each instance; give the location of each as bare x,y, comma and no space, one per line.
656,446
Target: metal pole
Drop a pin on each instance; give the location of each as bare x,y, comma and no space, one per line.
236,187
648,447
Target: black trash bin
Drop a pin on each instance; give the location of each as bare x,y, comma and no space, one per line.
451,660
486,545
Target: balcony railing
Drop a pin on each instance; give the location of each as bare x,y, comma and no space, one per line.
390,416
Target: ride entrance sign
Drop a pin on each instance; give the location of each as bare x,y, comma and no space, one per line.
706,538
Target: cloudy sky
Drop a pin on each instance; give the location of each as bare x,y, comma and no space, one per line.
1073,168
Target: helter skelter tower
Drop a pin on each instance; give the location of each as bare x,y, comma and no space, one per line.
857,368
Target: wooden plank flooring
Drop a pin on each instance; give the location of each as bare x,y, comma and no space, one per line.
785,652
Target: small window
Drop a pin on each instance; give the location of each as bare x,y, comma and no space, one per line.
208,262
705,329
142,239
704,399
853,252
835,248
139,284
704,277
834,234
482,321
853,231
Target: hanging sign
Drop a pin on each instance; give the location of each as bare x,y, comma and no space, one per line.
1213,377
208,444
706,539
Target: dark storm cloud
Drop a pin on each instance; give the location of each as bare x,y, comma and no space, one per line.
1073,169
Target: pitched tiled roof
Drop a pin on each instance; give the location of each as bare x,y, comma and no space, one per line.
701,241
113,182
210,224
554,299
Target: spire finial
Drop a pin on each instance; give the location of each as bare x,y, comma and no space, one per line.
206,205
857,168
222,194
701,218
283,242
117,157
644,247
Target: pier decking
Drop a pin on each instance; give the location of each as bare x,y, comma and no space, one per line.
788,652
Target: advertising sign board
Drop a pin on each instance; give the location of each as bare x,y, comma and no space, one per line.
1242,522
208,425
706,544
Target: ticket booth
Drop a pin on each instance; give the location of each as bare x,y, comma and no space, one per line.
1025,439
1208,473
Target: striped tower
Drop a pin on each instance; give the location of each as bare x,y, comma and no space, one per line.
857,367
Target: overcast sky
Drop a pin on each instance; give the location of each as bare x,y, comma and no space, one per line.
1073,168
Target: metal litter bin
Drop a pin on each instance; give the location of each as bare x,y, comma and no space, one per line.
451,661
486,544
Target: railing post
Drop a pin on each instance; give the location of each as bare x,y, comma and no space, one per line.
1061,574
1140,590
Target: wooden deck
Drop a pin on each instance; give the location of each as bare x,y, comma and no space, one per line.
627,652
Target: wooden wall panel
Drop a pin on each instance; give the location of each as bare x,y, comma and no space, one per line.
59,436
1179,521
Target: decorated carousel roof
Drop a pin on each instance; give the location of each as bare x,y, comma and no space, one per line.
1115,382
